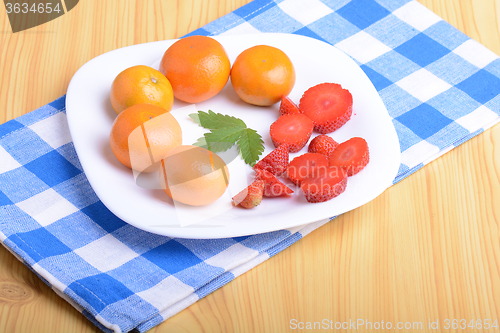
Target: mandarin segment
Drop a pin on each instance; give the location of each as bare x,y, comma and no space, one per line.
197,67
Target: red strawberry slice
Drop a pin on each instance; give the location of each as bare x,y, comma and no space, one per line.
251,196
351,155
294,129
287,106
305,165
328,105
325,185
275,162
322,144
273,186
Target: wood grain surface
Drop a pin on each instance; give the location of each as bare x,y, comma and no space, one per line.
427,249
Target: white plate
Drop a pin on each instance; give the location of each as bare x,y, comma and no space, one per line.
90,116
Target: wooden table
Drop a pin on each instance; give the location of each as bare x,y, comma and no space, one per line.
427,249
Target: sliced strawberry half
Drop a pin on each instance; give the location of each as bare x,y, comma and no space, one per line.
322,144
305,165
328,105
273,186
287,106
352,155
275,162
325,185
251,196
294,129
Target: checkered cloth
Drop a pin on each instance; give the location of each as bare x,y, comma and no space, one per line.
440,87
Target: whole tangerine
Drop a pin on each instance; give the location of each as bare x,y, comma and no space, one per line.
141,84
262,74
142,135
193,175
197,67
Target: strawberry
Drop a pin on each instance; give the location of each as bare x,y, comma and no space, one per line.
328,105
351,155
275,162
305,165
322,144
294,129
325,185
251,196
287,106
273,187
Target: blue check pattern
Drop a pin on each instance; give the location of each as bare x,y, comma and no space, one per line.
440,87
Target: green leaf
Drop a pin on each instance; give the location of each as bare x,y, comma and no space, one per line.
212,120
225,132
201,142
250,145
222,139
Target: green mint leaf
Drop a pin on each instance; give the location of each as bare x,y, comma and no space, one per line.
250,145
212,120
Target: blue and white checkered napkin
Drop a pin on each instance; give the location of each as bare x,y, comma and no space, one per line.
440,87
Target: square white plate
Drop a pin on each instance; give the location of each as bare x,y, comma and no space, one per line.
140,204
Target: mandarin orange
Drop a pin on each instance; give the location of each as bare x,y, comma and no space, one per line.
142,135
262,74
141,84
197,67
193,175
